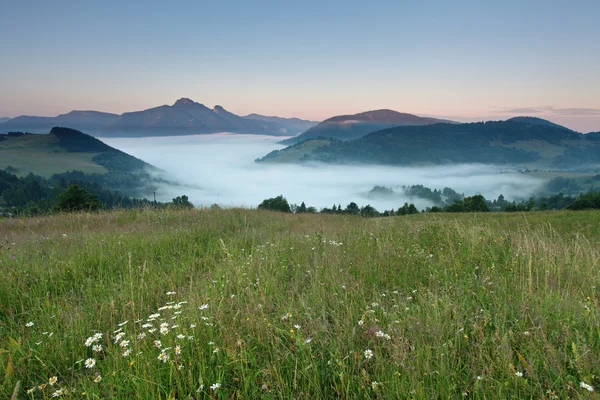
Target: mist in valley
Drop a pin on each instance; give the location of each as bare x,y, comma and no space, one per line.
220,169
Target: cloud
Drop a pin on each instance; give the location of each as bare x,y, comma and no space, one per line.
221,169
551,110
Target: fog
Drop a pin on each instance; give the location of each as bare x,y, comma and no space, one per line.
220,169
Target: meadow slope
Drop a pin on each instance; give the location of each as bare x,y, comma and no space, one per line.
189,304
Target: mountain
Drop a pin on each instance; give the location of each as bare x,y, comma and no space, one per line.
188,117
83,120
292,125
348,127
4,119
502,142
63,150
184,117
536,121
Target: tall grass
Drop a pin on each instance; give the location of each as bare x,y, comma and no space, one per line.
270,305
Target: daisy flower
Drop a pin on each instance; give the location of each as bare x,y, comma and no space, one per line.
90,363
368,354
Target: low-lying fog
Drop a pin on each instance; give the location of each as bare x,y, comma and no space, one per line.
220,169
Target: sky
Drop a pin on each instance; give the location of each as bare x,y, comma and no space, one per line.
465,60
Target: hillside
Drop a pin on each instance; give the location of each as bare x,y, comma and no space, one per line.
4,119
273,305
504,142
348,127
63,150
536,121
293,126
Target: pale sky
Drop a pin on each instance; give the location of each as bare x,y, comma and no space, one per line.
466,60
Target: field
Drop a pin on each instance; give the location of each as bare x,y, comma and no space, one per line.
247,304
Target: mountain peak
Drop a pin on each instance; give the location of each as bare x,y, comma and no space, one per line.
218,109
184,101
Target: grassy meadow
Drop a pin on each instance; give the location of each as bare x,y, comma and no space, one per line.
190,304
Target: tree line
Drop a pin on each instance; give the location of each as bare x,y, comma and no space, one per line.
476,203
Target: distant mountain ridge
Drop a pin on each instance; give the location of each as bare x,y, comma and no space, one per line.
4,119
184,117
293,125
348,127
513,142
85,120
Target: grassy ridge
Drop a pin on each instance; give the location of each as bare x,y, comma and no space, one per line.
293,303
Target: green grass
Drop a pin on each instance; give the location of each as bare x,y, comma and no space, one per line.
42,155
467,300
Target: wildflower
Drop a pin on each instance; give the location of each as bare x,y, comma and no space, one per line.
58,393
380,334
154,316
584,385
526,333
368,354
89,341
216,350
519,374
147,326
141,335
42,386
123,323
307,341
181,336
29,391
479,377
164,330
119,336
29,324
157,344
98,378
374,385
361,322
97,336
52,380
90,363
126,353
124,344
152,330
297,326
164,357
374,305
192,326
177,350
211,343
215,386
203,307
171,293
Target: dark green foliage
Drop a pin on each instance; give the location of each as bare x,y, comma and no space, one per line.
588,201
76,198
368,211
407,209
352,209
278,203
475,203
182,202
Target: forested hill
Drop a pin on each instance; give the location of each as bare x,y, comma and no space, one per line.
63,150
348,127
503,142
